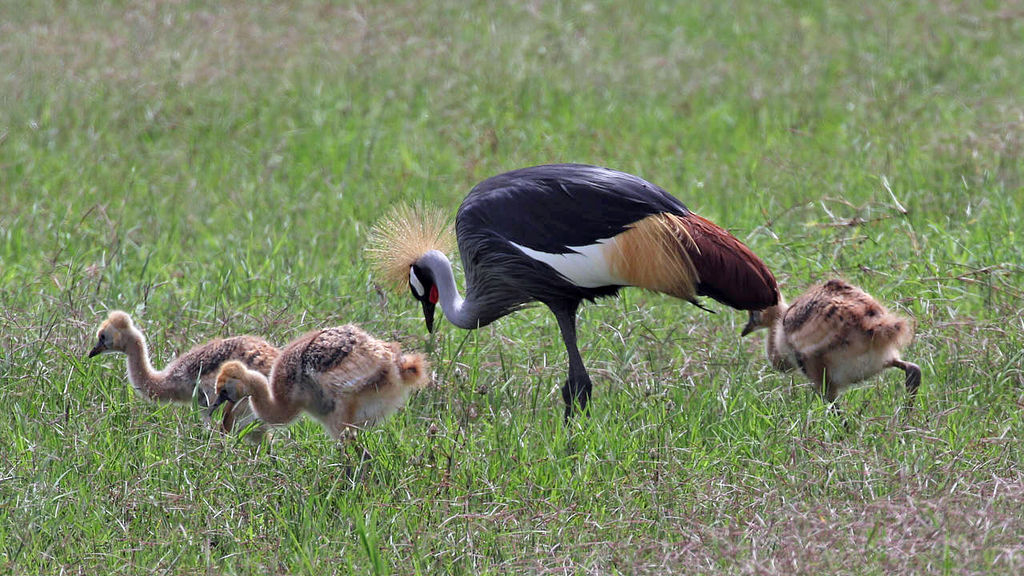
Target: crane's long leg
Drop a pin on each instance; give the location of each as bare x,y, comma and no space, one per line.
576,391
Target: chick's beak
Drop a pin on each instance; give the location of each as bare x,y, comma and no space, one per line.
753,323
228,414
221,399
428,315
97,349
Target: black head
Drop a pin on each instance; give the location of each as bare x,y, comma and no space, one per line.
424,289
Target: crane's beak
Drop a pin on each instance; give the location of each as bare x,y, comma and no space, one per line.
428,314
99,348
753,323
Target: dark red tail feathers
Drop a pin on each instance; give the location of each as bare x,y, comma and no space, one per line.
726,269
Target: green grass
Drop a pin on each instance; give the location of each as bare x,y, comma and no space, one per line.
214,170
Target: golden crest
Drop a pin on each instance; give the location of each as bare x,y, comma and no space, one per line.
401,237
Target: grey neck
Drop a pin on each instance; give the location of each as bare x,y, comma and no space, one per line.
460,312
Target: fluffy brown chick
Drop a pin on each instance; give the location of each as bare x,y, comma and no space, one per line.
838,336
178,380
341,376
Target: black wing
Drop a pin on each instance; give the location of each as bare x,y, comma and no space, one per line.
551,207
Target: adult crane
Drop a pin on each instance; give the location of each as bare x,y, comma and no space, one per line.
560,234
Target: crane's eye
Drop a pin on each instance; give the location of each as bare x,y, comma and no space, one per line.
415,284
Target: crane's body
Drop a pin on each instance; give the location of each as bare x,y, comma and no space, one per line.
572,232
564,233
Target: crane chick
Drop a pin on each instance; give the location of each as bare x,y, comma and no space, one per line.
178,380
341,376
838,336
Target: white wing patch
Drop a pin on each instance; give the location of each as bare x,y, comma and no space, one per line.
587,267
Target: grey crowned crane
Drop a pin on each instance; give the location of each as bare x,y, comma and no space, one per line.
561,234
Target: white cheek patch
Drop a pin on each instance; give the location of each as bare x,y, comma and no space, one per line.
587,267
417,287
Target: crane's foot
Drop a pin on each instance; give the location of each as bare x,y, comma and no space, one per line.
576,398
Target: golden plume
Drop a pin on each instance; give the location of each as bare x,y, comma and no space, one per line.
401,237
653,253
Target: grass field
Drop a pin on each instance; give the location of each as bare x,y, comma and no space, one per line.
214,170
